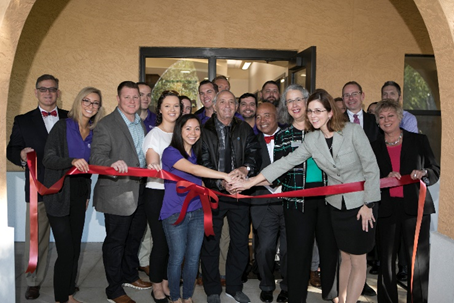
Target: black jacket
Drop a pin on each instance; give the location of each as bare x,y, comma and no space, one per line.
29,131
244,145
416,154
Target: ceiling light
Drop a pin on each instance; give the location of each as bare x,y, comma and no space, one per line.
246,65
185,72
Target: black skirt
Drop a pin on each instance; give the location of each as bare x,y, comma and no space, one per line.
349,233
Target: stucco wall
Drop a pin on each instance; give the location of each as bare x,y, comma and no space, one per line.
97,43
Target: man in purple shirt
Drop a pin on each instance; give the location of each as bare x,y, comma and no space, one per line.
391,90
247,109
207,92
147,116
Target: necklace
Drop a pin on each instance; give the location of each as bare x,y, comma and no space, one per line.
395,142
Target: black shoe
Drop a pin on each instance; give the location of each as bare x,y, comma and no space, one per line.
266,296
374,269
32,292
402,275
368,291
163,300
283,296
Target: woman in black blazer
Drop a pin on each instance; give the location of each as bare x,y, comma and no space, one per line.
401,153
69,145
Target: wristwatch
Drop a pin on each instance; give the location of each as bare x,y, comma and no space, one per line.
370,204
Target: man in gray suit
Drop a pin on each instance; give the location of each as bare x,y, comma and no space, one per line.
117,142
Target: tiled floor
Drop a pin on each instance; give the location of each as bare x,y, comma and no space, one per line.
92,281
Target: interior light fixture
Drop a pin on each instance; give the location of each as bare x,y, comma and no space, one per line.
246,65
282,80
185,72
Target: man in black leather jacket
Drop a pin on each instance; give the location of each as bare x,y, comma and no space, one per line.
229,144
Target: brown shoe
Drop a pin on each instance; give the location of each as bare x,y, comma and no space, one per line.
139,284
145,269
122,299
32,292
315,279
199,281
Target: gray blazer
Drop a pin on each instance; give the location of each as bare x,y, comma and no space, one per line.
112,141
353,160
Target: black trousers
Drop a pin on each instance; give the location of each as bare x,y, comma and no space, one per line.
271,228
121,246
301,228
237,213
391,231
159,256
67,232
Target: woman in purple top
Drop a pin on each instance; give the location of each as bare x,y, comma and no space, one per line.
185,239
69,145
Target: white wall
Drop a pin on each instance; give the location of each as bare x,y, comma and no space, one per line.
441,269
94,230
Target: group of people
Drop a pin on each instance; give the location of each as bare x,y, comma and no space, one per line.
290,141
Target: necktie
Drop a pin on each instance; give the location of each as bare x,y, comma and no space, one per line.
356,119
268,139
52,113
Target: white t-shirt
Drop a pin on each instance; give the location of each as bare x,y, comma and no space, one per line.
158,140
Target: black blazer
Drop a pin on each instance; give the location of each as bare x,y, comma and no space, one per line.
29,131
369,125
416,154
259,206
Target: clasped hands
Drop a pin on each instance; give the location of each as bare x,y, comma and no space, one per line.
234,177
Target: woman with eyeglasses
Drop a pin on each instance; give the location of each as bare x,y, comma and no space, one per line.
169,110
305,218
342,151
68,145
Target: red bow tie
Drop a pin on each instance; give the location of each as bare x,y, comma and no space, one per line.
52,113
268,139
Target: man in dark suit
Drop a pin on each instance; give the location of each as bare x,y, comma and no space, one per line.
268,214
29,133
353,96
117,142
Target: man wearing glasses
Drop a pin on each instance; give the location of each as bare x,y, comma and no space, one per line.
29,133
353,96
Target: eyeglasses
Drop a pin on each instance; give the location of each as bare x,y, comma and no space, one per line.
354,94
296,100
49,89
87,103
315,111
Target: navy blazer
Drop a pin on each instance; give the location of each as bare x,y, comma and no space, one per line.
416,154
29,130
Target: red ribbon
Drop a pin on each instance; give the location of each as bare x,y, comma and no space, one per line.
205,195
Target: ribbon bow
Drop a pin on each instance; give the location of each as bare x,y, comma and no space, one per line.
205,194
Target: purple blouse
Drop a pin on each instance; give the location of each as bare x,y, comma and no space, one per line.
150,120
77,147
173,201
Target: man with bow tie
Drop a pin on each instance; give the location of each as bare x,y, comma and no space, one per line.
267,214
29,133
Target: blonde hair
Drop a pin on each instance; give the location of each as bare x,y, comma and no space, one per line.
76,111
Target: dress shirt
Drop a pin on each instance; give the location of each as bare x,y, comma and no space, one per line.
409,123
50,120
137,134
270,147
360,117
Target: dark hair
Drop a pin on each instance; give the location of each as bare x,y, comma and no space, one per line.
184,97
221,77
163,95
271,82
215,87
338,99
248,95
143,83
392,83
177,138
46,77
352,83
367,111
129,84
337,121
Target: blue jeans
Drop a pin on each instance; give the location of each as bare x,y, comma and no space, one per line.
184,241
